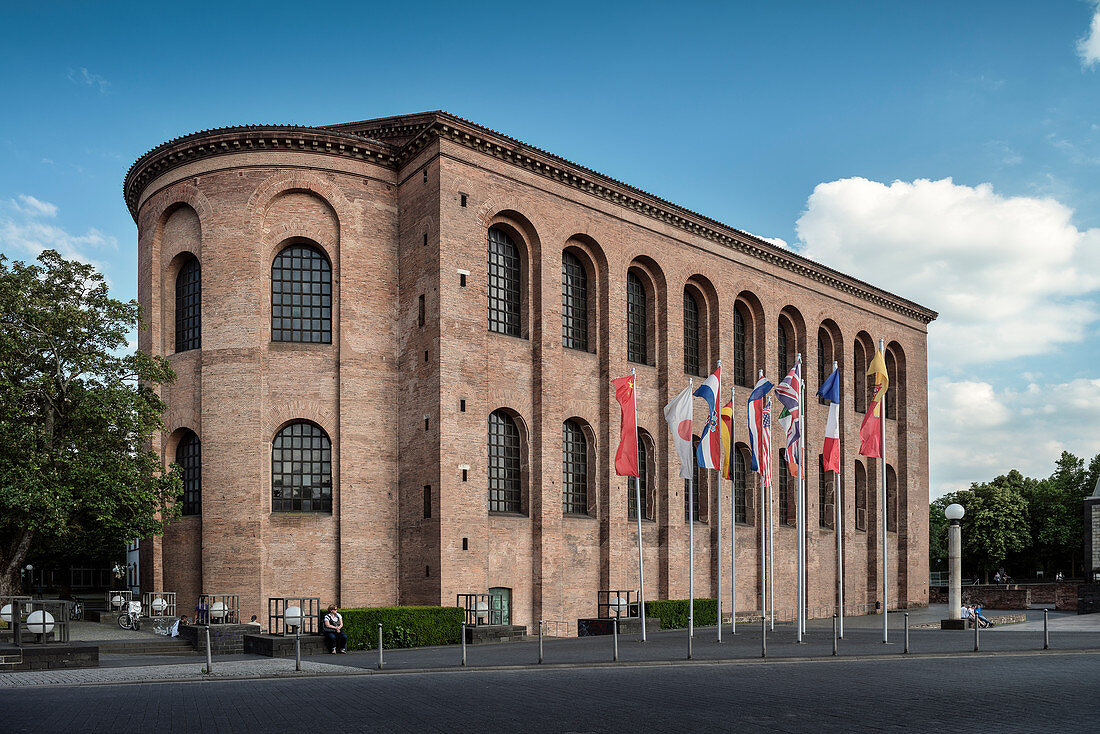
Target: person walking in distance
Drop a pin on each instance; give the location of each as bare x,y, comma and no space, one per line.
333,626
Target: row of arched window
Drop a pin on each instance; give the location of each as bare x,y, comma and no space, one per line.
301,298
301,469
505,291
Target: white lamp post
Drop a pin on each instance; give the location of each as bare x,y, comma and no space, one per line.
954,513
292,617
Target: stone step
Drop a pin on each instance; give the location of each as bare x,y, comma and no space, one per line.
146,647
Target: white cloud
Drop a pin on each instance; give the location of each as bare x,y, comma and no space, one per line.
85,77
24,233
978,432
1088,48
1010,276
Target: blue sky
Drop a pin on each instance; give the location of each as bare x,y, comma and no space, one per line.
949,154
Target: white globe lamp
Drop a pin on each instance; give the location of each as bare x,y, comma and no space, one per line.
292,617
218,610
481,611
5,613
116,601
159,604
954,513
618,605
40,622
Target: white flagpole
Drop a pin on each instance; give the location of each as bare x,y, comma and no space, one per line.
733,518
838,508
691,536
882,461
763,570
771,541
800,508
638,510
718,504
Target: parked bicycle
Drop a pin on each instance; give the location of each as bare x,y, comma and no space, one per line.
130,619
76,610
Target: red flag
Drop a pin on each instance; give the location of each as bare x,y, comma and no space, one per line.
626,456
870,431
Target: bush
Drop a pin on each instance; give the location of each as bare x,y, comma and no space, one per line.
673,613
403,626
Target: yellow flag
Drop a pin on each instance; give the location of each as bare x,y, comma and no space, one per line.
882,379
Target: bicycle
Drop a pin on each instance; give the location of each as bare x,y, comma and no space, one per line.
76,610
130,619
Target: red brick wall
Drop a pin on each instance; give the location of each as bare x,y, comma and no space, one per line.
372,388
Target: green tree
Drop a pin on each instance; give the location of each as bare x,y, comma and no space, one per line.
996,521
77,416
1057,518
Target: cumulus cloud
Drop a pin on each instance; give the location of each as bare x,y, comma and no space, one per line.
1010,276
1088,48
85,77
978,432
26,230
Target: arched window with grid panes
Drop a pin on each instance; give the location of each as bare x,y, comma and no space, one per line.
574,470
189,457
301,469
740,370
891,499
644,481
691,334
861,496
189,306
740,488
574,302
504,284
301,295
505,480
637,328
787,499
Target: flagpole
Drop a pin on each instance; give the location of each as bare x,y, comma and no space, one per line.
838,511
882,461
763,574
733,518
691,539
638,510
800,526
718,504
771,545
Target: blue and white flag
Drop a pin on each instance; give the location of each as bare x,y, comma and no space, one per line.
708,454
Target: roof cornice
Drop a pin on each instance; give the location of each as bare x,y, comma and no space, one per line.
244,138
418,131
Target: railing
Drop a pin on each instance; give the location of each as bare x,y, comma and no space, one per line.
37,620
308,612
116,600
622,603
158,603
482,609
218,609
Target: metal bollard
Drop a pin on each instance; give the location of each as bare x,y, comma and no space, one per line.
615,637
209,661
689,644
379,645
1046,630
540,642
764,634
464,643
976,628
298,647
834,634
907,633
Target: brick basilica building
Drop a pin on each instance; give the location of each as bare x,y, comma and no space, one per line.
394,341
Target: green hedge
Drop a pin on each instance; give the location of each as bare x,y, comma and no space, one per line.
403,626
673,613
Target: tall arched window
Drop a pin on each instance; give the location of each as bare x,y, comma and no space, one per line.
784,338
301,296
890,402
861,496
504,284
691,488
643,482
189,306
301,469
859,377
787,502
691,335
891,499
504,463
740,371
189,457
574,470
636,316
574,302
740,488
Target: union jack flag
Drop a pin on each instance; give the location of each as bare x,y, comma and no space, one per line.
789,393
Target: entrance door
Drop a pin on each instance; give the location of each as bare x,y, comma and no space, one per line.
506,603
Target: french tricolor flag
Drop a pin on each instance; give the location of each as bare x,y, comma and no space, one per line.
709,452
830,390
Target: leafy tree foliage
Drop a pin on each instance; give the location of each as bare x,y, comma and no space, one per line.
77,473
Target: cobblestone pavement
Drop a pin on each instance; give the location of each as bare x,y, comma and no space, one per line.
255,667
1002,693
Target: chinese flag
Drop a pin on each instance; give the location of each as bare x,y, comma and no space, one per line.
626,456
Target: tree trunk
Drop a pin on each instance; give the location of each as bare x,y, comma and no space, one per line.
13,562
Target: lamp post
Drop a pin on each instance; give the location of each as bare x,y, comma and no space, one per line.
954,620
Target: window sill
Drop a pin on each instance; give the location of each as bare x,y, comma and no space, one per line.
509,336
294,346
496,513
576,350
577,516
644,520
300,513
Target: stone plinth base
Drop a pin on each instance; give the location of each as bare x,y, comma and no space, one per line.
495,633
952,624
49,657
276,646
603,626
225,639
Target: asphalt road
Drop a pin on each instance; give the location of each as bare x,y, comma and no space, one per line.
998,693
